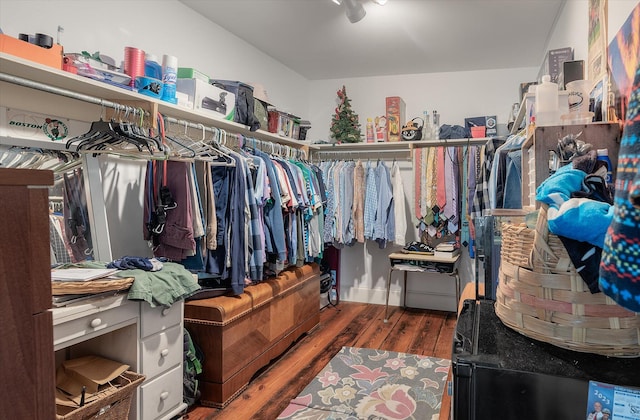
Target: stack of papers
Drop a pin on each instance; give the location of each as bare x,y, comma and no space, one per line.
81,274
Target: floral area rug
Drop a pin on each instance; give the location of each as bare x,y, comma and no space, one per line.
373,384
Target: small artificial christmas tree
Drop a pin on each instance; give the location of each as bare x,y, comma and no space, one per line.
345,126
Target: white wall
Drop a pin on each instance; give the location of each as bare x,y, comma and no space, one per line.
572,26
454,95
158,27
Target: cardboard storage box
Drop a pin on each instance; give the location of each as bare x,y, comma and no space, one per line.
91,386
283,124
553,62
205,97
191,73
395,107
51,57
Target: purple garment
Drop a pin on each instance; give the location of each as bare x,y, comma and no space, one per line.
471,176
176,240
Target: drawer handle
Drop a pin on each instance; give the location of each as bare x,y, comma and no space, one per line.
164,395
95,322
164,353
166,311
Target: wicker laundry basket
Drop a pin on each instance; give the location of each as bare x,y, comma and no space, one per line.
541,295
113,405
94,286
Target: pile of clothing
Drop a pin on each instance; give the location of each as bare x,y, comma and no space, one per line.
580,211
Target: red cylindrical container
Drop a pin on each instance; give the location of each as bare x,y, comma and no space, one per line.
133,63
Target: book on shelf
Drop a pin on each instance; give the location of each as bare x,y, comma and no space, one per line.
446,254
81,274
447,246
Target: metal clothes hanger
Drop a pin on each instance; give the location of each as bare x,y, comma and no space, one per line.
184,148
110,136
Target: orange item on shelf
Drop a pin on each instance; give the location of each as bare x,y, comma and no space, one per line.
51,57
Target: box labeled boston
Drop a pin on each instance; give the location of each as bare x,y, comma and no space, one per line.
395,115
205,97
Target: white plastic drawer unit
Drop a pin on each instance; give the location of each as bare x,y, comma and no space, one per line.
160,318
161,394
161,352
79,323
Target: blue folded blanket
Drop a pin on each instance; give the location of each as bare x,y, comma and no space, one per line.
582,219
558,188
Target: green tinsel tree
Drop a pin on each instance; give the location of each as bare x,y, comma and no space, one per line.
345,126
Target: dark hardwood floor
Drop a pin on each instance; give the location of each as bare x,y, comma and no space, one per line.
414,331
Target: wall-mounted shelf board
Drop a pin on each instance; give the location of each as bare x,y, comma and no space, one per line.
62,82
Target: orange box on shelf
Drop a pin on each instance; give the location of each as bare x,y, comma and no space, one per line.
51,57
395,107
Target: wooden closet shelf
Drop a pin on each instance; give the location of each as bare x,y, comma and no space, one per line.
60,81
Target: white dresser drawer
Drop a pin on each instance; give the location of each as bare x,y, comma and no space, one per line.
162,351
161,394
92,323
157,319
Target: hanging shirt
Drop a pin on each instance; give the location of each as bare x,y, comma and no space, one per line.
347,204
358,201
261,193
384,226
196,205
329,219
370,202
481,204
238,224
273,213
57,242
399,206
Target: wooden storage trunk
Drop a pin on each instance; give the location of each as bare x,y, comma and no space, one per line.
241,334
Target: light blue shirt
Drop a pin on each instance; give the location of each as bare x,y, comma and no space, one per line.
384,227
370,202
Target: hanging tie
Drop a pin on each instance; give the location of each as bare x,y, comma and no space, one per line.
441,194
451,208
417,165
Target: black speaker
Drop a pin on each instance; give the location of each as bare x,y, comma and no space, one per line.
571,70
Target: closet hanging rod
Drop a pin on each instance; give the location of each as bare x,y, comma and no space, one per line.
396,154
16,80
471,141
403,145
247,141
361,152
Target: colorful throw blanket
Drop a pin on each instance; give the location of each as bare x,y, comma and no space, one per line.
620,265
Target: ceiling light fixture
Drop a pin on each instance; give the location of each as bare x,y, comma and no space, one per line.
380,2
355,11
338,2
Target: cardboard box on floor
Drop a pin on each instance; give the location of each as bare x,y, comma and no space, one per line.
92,372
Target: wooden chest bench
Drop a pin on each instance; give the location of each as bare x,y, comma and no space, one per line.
241,334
